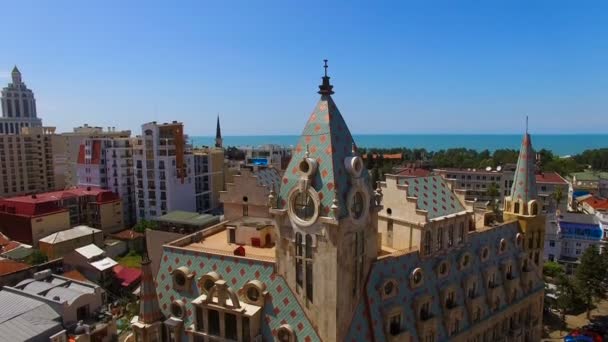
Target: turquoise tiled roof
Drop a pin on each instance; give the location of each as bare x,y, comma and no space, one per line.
524,180
433,195
328,140
281,307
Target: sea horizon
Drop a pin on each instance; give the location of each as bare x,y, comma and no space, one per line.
560,144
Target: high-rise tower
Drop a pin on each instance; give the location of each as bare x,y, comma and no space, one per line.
522,205
326,220
18,106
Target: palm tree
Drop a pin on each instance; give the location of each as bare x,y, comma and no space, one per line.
558,196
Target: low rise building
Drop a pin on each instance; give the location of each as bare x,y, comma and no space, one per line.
185,222
61,243
92,262
476,182
589,181
550,186
568,235
267,155
29,218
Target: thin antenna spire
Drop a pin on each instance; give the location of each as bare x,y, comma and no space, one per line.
526,124
325,66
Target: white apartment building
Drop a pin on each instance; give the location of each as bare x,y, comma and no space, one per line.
108,163
476,182
164,170
18,106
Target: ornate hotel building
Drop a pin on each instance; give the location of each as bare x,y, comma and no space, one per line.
330,258
18,106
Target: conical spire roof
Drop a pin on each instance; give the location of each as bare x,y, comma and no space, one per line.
524,180
218,130
15,70
327,139
149,311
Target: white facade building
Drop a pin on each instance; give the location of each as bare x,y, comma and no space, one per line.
164,174
108,163
18,106
267,155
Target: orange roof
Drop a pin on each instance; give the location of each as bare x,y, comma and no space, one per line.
75,275
550,177
7,244
9,266
597,203
413,172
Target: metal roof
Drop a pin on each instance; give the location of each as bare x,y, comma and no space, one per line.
189,218
23,318
104,264
70,234
89,251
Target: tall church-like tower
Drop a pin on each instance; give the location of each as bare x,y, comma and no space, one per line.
218,134
326,215
18,106
522,204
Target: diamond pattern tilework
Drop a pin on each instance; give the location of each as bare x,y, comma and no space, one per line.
434,195
524,180
283,306
399,268
328,140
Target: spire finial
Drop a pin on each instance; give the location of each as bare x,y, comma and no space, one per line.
326,88
526,124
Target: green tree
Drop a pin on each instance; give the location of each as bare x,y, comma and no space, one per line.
557,196
37,257
590,277
142,225
552,269
567,296
494,193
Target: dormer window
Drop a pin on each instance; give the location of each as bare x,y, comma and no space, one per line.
439,238
182,279
451,236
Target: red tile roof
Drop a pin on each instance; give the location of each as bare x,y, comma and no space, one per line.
9,266
597,203
398,156
550,177
128,234
7,244
47,202
126,275
413,172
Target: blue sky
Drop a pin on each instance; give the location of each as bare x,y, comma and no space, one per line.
397,67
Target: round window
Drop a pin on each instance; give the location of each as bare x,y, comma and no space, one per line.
303,206
285,333
253,294
388,288
304,167
358,205
180,279
503,245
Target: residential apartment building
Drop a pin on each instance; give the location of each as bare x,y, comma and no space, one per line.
66,148
549,185
208,178
18,106
108,163
164,170
569,235
314,268
27,219
476,182
26,162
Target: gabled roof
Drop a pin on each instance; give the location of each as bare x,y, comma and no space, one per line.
70,234
550,177
524,180
327,139
433,195
9,266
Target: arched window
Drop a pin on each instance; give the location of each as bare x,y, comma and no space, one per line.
427,242
533,208
461,233
451,236
439,238
308,275
516,208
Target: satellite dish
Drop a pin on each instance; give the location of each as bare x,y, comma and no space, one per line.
489,168
498,168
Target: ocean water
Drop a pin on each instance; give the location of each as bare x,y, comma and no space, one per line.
560,144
